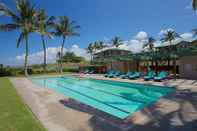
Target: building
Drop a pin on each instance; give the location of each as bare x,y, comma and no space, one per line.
111,58
124,60
188,61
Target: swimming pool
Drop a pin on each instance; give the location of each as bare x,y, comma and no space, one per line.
115,98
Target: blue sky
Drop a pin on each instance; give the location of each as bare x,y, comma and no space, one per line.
104,19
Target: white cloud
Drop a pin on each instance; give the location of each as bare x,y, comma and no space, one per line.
37,57
80,52
141,35
187,36
136,44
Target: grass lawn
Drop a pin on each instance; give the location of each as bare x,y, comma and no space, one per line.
14,114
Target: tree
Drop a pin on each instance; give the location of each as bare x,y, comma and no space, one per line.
150,46
71,57
194,4
22,19
65,28
170,36
43,26
90,50
101,45
116,41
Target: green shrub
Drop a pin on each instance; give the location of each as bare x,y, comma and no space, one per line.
74,70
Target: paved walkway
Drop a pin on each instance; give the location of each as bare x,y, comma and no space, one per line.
177,112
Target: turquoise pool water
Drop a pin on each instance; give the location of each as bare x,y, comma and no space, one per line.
116,98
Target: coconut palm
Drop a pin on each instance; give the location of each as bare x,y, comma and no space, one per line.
65,28
101,45
116,41
194,4
150,45
43,26
90,50
170,36
23,20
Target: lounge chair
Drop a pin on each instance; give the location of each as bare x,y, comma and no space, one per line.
91,72
150,75
135,75
109,73
115,74
86,71
161,76
125,76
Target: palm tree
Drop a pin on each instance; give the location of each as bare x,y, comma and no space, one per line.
43,25
116,41
22,19
170,36
90,50
194,4
65,28
150,45
101,45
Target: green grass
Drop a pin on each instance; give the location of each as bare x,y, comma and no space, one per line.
14,114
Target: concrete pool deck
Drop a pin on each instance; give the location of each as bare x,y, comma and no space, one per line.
176,112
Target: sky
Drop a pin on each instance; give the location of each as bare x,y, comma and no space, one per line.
131,20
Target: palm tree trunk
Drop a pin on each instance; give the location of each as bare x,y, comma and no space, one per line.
91,57
175,68
61,55
26,56
44,48
168,63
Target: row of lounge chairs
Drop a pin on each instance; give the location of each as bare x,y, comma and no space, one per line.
150,75
88,71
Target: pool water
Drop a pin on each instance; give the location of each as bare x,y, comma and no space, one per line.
115,98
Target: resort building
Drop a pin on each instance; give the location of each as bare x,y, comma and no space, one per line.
112,59
124,60
188,61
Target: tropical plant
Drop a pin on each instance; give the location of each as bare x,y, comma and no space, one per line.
43,26
116,41
101,45
58,59
65,28
170,36
194,4
150,46
72,57
22,19
149,43
90,50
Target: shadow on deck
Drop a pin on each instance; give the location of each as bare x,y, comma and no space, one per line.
183,117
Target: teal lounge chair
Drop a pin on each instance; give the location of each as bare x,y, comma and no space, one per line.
161,76
124,76
115,74
86,71
135,75
91,72
109,73
150,75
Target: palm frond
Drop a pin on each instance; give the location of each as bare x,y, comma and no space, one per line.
65,27
9,27
194,4
20,39
194,31
8,12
